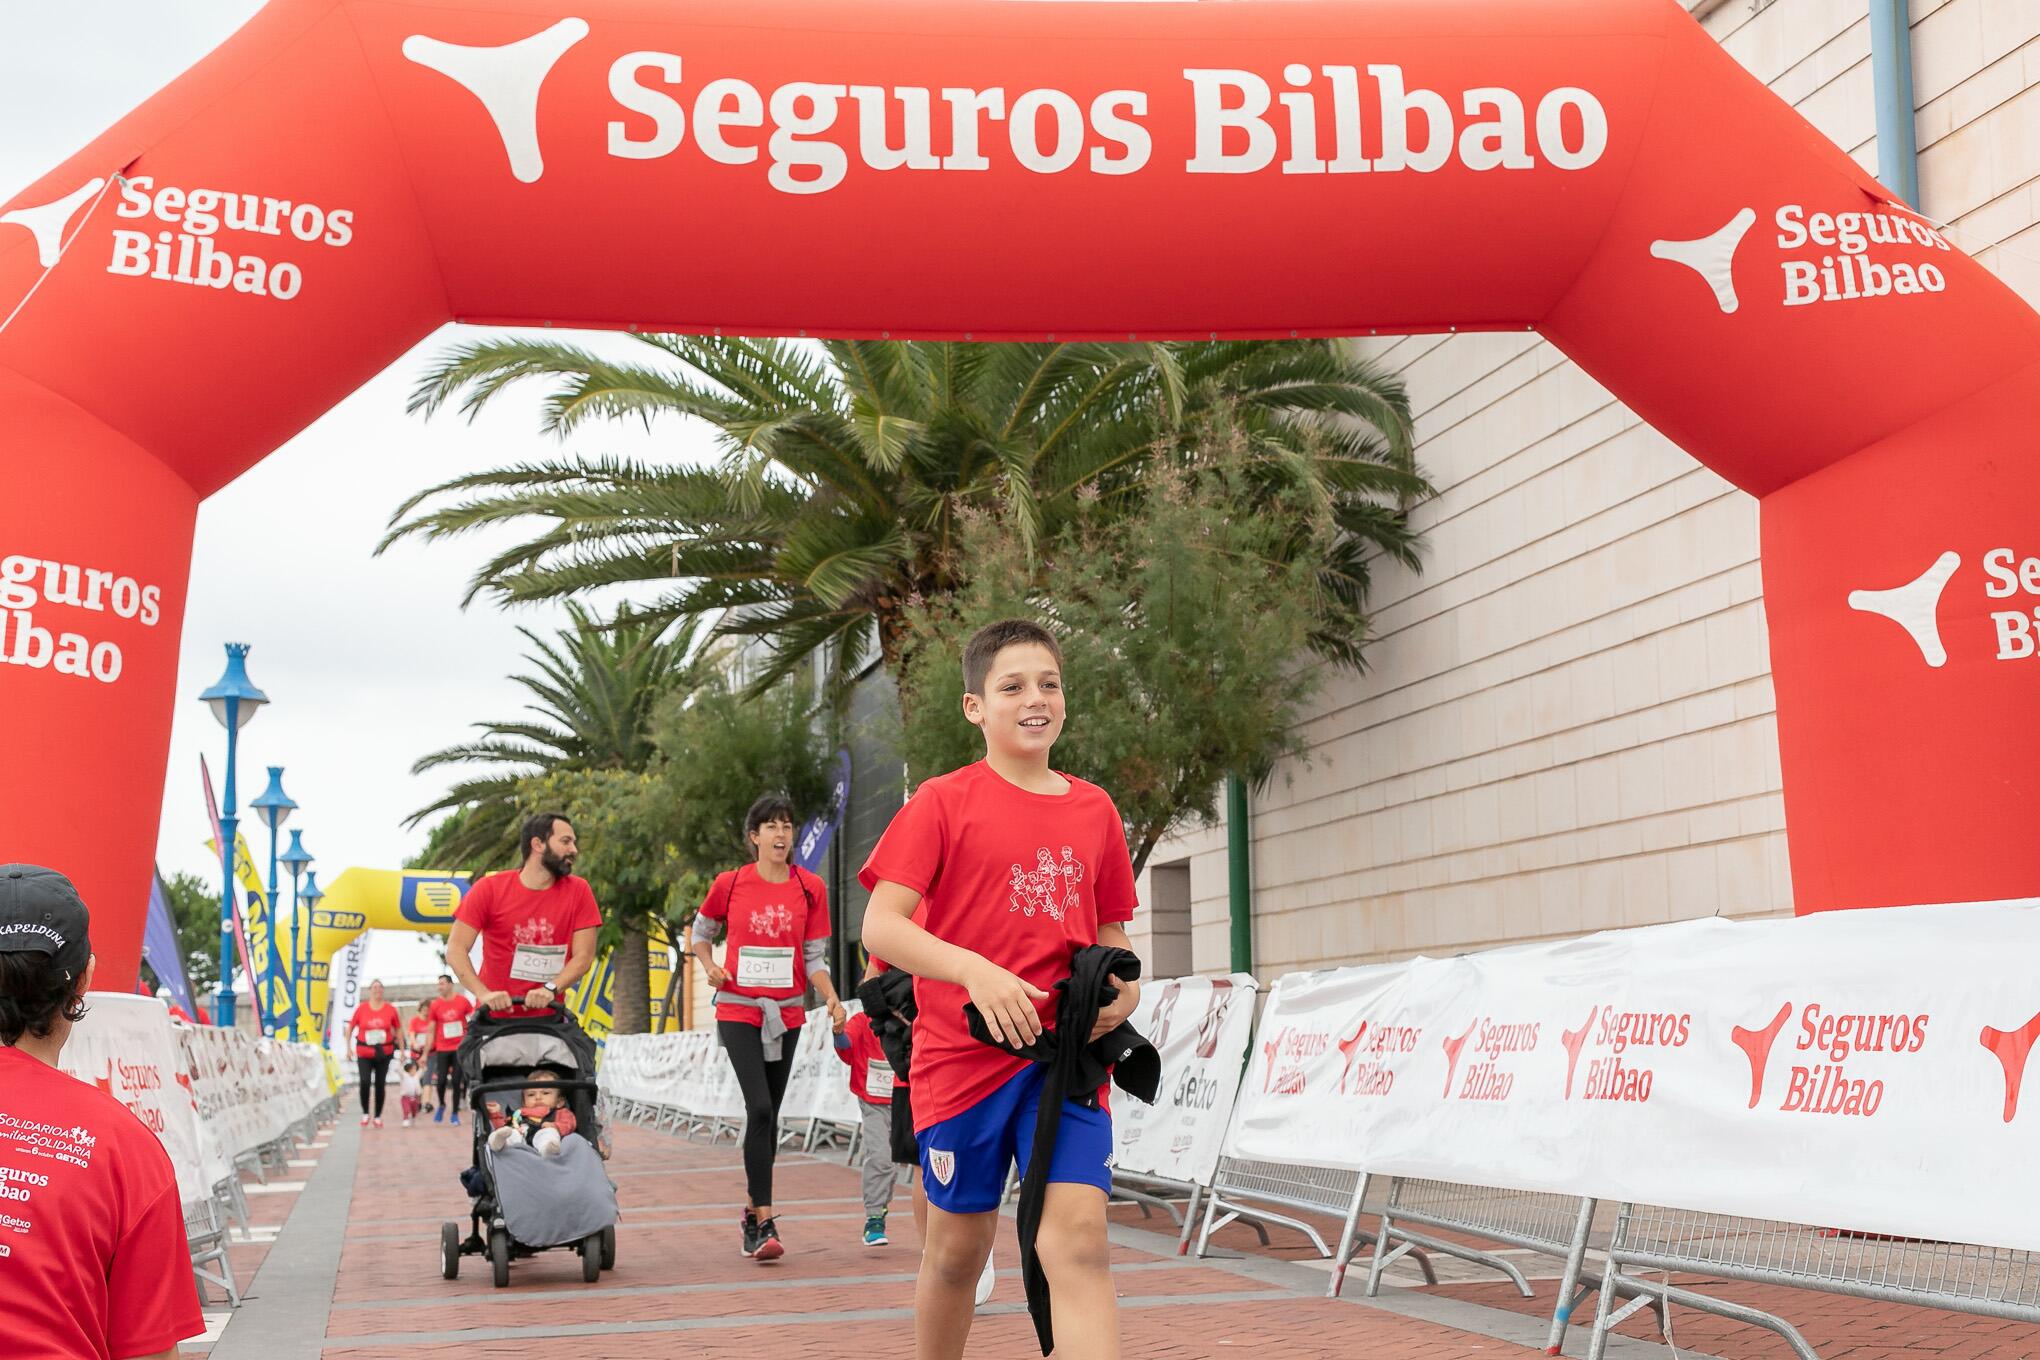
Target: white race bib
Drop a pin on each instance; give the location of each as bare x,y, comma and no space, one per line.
770,969
878,1079
375,1038
452,1029
538,962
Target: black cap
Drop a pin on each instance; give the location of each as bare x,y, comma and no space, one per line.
41,911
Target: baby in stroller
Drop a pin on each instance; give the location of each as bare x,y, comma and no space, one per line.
542,1121
537,1181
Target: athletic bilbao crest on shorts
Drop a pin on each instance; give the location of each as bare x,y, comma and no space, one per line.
942,1165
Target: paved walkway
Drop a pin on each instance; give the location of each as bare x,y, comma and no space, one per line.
352,1274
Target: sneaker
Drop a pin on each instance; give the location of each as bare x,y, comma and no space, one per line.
770,1248
985,1281
364,1121
753,1235
874,1231
407,1121
378,1122
455,1121
439,1116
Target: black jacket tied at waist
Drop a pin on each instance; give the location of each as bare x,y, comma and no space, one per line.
1075,1072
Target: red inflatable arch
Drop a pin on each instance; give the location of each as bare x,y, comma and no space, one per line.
345,175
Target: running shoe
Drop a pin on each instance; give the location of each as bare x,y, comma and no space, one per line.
984,1284
439,1116
407,1121
378,1123
770,1248
874,1231
455,1121
753,1235
364,1121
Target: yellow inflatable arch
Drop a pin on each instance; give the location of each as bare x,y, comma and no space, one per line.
424,900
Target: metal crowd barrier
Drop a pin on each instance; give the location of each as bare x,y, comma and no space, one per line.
205,1229
1990,1281
1241,1189
1159,1192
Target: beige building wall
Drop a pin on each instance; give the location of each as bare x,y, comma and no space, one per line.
1568,723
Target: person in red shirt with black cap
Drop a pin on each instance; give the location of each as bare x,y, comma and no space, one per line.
92,1223
537,923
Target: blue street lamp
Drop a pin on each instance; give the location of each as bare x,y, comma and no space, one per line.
234,700
274,807
314,895
297,859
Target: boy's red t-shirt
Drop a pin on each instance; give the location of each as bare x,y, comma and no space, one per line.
769,926
449,1017
1024,879
92,1227
369,1021
419,1025
859,1052
526,935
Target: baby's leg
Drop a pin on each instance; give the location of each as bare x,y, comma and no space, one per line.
546,1141
500,1138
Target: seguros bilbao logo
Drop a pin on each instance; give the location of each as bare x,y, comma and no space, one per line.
1831,1087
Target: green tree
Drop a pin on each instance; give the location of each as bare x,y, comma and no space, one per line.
594,688
849,466
588,736
195,908
1181,627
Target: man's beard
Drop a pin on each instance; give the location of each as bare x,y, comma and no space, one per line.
557,866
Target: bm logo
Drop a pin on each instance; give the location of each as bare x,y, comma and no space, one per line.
430,899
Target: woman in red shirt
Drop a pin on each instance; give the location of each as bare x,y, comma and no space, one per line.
776,927
375,1029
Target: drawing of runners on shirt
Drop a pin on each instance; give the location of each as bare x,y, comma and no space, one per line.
1050,888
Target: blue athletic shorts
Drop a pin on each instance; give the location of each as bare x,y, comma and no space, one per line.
964,1159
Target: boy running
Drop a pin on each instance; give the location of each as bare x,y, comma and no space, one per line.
985,884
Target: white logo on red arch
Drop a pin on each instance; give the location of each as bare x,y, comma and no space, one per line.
506,79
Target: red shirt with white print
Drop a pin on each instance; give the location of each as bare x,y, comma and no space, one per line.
1024,879
92,1246
871,1077
449,1021
526,936
769,924
375,1030
420,1028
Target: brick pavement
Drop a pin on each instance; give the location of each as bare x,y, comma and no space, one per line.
681,1289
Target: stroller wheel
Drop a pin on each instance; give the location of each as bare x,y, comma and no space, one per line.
449,1250
591,1258
609,1247
499,1256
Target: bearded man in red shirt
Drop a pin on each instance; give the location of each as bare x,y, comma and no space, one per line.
537,923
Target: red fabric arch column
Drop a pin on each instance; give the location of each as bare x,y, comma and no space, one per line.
345,174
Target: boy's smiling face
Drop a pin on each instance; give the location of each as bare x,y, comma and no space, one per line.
1021,710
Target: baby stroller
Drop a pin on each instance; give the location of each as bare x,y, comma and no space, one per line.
523,1203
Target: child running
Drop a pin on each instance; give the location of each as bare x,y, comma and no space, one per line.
985,884
875,1084
407,1090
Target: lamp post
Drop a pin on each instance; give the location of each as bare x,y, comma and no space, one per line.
274,807
234,700
297,859
314,895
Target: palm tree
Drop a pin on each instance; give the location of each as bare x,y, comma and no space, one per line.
594,688
848,463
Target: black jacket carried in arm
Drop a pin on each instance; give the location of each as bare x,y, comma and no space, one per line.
1075,1072
889,1005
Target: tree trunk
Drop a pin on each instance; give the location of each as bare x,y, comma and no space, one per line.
630,982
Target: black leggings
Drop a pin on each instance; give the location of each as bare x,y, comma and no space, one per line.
378,1071
443,1070
764,1087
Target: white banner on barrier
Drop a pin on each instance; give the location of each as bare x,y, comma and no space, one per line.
125,1047
1857,1070
1201,1027
209,1094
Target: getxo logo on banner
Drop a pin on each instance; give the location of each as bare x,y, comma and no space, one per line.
1048,131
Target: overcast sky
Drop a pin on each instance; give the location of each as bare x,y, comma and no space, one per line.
368,662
